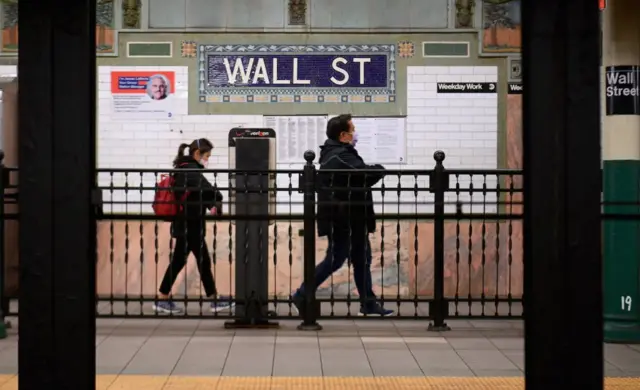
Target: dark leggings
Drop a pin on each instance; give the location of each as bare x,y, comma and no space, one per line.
195,244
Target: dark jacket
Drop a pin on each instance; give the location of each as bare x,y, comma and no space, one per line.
343,199
201,196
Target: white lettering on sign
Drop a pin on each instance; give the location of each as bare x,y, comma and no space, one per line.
278,81
241,73
245,73
362,61
515,87
345,74
338,69
295,71
261,72
626,302
461,87
616,82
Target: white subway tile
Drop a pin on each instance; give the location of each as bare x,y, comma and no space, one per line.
436,70
461,70
464,125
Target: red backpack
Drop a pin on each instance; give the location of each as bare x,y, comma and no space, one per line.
165,203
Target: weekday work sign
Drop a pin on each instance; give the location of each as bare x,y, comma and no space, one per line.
623,90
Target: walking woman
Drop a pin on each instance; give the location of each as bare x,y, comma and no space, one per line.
189,227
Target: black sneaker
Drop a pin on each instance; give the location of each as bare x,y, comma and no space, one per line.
375,310
298,303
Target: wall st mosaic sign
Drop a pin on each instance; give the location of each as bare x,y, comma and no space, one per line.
297,73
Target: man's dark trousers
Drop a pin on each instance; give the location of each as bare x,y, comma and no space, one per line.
355,245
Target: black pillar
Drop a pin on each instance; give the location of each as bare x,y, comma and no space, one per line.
562,234
57,106
252,235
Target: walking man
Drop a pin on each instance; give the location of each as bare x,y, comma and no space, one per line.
345,213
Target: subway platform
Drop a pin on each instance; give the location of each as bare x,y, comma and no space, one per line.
184,354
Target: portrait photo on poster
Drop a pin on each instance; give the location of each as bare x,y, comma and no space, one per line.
158,87
144,94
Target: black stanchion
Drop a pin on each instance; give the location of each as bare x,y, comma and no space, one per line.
438,184
252,236
3,327
311,309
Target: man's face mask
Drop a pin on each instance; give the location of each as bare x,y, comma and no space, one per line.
354,140
204,163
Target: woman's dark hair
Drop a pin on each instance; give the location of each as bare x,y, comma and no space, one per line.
201,144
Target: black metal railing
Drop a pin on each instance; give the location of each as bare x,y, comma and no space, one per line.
9,272
448,244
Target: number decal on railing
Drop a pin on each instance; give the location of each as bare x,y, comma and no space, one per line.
626,302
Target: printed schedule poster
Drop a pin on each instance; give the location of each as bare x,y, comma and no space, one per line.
144,95
381,140
296,135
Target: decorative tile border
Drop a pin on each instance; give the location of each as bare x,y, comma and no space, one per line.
298,99
251,94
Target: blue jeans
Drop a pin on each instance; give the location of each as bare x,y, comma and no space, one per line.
357,248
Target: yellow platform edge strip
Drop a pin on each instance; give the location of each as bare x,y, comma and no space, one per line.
149,382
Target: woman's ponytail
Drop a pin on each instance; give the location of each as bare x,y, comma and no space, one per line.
181,150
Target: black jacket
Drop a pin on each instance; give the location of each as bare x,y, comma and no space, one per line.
343,200
201,196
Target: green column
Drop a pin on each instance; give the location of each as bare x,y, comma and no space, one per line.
622,252
621,169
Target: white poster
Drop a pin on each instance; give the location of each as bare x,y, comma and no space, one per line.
297,134
381,140
154,94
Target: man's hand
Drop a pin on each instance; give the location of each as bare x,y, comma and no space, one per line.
380,167
217,209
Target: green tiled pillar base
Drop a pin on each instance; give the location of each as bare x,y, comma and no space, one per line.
621,244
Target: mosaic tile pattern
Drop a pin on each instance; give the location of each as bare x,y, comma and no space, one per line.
215,61
189,49
406,49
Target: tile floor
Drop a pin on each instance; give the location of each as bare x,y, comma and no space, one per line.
361,348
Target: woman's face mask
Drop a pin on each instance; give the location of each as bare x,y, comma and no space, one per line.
204,159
